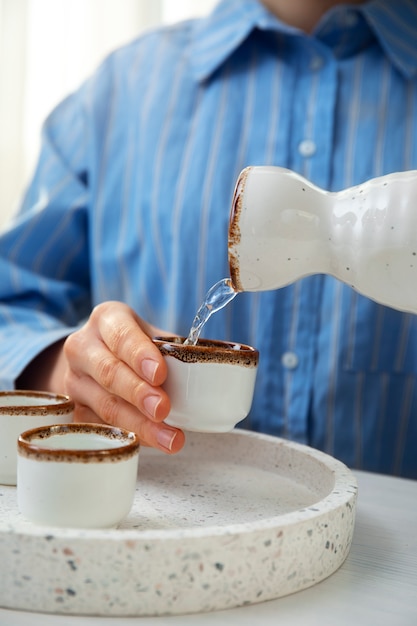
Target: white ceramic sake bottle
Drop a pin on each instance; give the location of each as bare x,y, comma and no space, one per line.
283,228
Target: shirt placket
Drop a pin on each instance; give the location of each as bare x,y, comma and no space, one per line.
310,154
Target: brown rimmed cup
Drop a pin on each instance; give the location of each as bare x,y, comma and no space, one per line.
210,384
77,475
21,410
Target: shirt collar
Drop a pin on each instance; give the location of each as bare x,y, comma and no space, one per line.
395,27
217,36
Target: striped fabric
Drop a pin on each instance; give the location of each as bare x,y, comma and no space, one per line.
131,198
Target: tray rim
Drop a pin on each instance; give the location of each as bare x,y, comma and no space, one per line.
340,495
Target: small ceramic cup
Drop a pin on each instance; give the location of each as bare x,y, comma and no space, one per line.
210,384
77,475
21,410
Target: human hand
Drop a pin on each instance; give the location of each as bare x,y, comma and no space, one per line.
113,372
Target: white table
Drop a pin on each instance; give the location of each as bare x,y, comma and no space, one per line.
377,584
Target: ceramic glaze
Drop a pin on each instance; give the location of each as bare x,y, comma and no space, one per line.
22,410
210,384
282,228
77,475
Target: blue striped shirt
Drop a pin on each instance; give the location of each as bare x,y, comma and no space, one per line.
131,197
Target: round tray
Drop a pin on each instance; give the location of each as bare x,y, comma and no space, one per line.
232,519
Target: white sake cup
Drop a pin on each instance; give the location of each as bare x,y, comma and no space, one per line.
210,384
77,475
21,410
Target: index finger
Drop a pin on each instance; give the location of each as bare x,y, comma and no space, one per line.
126,336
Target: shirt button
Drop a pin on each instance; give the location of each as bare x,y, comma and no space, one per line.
316,63
307,148
289,360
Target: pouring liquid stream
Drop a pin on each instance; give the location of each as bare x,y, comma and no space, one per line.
216,298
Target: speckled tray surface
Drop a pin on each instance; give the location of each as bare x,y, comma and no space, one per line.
233,519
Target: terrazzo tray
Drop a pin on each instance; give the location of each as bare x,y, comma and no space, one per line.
233,519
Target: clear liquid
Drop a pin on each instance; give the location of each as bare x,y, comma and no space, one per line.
80,441
216,298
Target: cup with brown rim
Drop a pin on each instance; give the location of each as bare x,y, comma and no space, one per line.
21,410
77,475
210,384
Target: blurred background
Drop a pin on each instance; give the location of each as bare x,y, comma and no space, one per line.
47,48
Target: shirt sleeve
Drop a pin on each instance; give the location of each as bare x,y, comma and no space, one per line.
44,270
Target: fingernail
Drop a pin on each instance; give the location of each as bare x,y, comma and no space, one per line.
149,367
166,438
151,404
